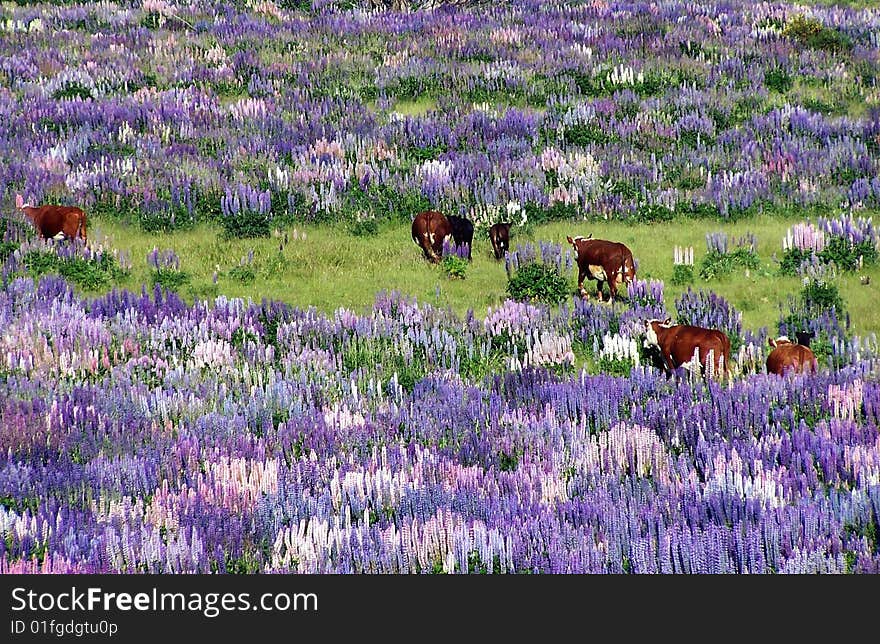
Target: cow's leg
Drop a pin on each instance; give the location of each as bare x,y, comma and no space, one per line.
582,274
599,288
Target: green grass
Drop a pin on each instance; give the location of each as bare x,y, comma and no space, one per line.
332,268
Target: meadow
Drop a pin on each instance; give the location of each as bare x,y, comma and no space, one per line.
250,368
327,267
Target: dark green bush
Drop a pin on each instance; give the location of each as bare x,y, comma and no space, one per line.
364,227
169,278
247,224
455,267
682,275
822,295
538,283
845,255
778,80
792,260
243,273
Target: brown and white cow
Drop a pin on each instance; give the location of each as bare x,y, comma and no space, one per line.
603,261
57,222
679,344
429,229
790,357
499,235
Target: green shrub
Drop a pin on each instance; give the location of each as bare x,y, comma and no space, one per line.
455,267
169,278
38,262
845,255
792,259
614,367
650,213
90,274
682,275
716,264
6,249
822,294
247,224
243,273
778,80
812,33
367,227
538,283
72,90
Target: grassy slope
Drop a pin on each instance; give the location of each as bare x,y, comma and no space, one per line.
332,268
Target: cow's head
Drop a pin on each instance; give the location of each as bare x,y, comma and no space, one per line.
575,240
782,339
499,235
804,337
651,328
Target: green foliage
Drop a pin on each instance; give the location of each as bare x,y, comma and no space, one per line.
778,79
72,90
654,212
682,275
821,294
508,462
243,273
89,274
169,279
812,33
584,134
40,262
792,259
247,224
614,367
454,266
716,265
845,255
538,282
366,227
6,249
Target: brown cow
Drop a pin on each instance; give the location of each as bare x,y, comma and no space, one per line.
788,356
58,222
678,344
603,261
499,235
429,229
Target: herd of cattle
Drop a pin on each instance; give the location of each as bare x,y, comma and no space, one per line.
597,259
676,345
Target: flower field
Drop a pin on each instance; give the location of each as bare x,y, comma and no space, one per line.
142,432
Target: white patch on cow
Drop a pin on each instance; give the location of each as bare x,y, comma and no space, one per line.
782,338
60,236
598,272
431,238
651,339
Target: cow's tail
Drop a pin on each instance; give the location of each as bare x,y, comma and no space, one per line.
81,227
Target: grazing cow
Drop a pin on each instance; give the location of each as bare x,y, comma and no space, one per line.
603,261
57,222
788,356
429,229
499,235
678,343
462,231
